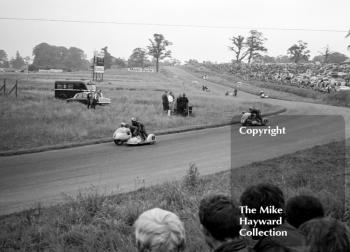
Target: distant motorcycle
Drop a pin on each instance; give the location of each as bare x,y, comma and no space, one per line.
248,119
123,135
263,95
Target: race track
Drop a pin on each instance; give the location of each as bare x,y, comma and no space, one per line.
46,176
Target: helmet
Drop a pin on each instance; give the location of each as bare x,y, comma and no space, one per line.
133,119
123,124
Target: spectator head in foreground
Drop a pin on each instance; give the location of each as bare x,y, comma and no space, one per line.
263,196
326,235
157,230
219,217
302,208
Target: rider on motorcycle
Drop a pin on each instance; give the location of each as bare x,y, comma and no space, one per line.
138,129
256,114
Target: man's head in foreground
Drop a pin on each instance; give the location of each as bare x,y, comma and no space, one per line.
302,208
157,230
262,197
219,217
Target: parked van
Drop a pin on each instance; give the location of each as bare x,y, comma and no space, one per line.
68,88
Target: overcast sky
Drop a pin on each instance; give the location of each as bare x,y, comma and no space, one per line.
201,43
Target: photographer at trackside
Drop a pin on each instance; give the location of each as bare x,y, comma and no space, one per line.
264,206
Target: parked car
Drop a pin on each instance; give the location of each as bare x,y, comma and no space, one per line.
342,88
82,97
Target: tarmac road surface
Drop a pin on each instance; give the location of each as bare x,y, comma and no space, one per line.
46,176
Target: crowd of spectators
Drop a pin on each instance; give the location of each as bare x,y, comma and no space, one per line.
324,78
175,106
222,220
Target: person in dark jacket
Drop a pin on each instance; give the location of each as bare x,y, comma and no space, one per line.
182,105
267,196
256,113
220,217
89,98
165,101
138,129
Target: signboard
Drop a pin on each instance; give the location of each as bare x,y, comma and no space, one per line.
99,69
140,69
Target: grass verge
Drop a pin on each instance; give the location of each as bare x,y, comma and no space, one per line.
93,221
36,119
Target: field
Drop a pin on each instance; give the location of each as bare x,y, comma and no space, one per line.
36,119
93,221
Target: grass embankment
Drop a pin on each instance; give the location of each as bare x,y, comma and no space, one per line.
274,90
95,222
36,119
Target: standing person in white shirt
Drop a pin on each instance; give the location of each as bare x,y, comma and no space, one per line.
171,99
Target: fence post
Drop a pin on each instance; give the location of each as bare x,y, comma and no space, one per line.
16,87
4,87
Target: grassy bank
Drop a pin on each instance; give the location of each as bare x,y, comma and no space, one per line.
96,222
274,90
36,119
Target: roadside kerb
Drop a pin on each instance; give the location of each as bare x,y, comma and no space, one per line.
236,120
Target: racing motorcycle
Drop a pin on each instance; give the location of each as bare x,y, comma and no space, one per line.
123,135
248,119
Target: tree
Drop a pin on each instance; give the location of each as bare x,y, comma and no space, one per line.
325,54
108,59
282,59
157,49
3,59
137,58
268,59
74,59
346,37
119,62
238,48
255,44
17,62
49,56
334,57
299,52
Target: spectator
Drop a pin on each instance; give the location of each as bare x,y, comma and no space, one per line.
89,99
157,230
326,235
165,101
302,208
219,217
171,99
270,196
94,100
182,105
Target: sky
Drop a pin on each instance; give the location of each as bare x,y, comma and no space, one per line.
198,29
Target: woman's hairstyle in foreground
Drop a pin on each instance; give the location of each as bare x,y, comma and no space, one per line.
326,235
158,230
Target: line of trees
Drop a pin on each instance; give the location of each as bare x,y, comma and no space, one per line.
18,62
252,47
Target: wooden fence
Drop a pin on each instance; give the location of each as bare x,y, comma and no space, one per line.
9,83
